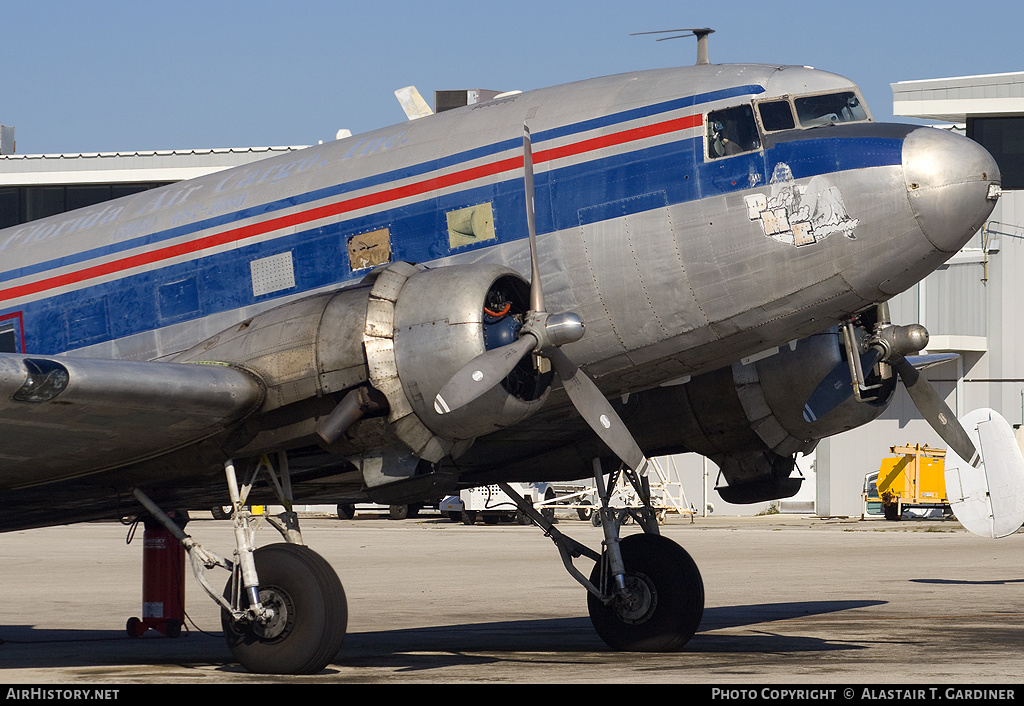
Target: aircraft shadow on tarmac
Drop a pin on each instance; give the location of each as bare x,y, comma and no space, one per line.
25,647
963,582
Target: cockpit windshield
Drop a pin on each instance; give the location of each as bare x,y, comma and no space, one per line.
829,109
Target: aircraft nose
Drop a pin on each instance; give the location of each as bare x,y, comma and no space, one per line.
952,183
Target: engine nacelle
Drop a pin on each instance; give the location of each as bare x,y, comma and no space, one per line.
752,419
775,391
404,333
423,325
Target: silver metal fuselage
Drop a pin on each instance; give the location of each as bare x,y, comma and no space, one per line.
642,234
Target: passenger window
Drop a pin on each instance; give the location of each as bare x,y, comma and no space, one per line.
776,115
732,131
829,109
8,339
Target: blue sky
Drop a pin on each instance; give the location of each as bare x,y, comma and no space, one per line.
109,75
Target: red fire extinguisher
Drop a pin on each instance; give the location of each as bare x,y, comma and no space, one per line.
163,581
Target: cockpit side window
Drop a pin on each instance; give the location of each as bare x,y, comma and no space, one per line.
776,115
732,131
829,109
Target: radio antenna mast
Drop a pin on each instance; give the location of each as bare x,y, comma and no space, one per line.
700,33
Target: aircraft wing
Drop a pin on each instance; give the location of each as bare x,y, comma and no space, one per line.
923,362
63,418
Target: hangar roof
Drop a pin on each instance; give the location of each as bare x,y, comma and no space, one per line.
143,165
956,99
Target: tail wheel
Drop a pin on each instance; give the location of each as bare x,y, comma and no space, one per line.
310,614
665,600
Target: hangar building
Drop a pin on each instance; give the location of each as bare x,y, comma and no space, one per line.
972,306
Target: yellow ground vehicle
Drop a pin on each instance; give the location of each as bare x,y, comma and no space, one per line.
914,477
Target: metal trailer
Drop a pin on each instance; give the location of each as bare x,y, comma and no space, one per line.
346,511
491,504
667,495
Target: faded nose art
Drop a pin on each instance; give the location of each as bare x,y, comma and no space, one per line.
952,184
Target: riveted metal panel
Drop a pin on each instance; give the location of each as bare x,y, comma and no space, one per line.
341,360
390,280
380,356
272,274
380,318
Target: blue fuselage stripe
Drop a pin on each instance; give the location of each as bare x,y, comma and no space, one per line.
568,196
376,180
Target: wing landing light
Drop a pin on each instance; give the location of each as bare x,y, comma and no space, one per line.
91,413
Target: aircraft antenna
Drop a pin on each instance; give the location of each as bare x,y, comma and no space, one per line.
701,33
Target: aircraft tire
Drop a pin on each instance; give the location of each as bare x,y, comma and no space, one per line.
668,599
311,614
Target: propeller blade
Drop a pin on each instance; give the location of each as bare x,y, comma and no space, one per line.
936,412
597,411
836,387
536,291
481,374
491,367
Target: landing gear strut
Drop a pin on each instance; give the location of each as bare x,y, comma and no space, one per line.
283,610
645,593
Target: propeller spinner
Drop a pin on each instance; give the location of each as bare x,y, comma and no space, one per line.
543,334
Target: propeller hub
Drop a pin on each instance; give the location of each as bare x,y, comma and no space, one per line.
553,330
900,341
563,328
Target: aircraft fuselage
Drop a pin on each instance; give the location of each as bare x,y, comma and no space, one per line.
671,257
690,216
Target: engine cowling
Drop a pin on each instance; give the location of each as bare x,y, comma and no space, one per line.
753,418
422,326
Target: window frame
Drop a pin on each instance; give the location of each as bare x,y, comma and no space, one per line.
708,156
794,97
788,99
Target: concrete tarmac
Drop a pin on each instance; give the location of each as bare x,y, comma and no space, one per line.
789,600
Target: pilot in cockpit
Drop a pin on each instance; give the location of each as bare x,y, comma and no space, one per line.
721,144
732,131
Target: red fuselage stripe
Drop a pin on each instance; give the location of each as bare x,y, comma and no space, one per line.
354,204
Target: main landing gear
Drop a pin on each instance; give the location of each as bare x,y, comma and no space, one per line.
283,609
645,593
